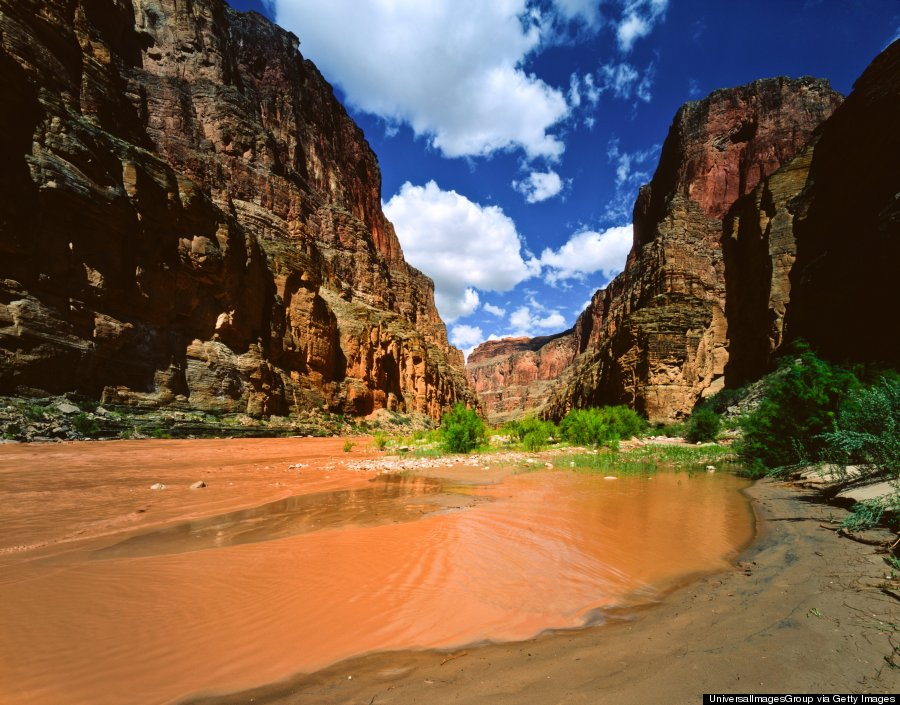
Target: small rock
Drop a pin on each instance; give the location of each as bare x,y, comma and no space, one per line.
157,486
610,477
198,485
65,407
710,468
549,466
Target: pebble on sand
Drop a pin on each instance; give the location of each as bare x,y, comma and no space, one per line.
157,486
198,485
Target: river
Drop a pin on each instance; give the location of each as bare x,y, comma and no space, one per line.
290,560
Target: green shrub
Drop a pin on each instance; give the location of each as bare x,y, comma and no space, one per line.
34,412
867,430
532,433
871,512
462,430
801,404
85,425
380,440
535,440
677,429
348,446
601,426
703,426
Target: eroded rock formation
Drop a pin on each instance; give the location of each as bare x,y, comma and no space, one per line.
812,251
758,228
514,376
846,298
665,332
189,217
658,334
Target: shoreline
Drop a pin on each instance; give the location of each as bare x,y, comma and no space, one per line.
802,610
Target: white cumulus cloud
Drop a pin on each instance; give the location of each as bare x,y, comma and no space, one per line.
467,338
460,244
588,252
587,11
495,310
525,321
539,186
638,19
463,336
451,69
618,79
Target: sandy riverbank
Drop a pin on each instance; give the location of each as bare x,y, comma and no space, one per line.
802,611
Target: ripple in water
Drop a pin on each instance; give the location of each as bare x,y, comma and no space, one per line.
248,597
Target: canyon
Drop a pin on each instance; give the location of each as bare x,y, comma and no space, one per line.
190,219
772,216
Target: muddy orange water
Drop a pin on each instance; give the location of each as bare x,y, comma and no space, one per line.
111,592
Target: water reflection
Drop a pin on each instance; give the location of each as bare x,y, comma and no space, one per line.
244,598
386,500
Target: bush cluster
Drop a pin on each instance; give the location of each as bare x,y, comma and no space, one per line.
379,440
604,426
532,433
867,430
462,430
703,426
816,411
801,404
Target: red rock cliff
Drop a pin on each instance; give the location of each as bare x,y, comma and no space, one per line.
189,217
811,252
514,376
660,336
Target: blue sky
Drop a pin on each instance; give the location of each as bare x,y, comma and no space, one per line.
513,134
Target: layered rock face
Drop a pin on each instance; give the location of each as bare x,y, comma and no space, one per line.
513,376
760,250
812,252
846,298
189,217
774,215
660,337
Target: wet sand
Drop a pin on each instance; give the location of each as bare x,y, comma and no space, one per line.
116,593
801,612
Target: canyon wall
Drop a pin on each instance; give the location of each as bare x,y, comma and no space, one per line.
658,336
812,252
774,215
665,332
514,376
189,217
845,298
